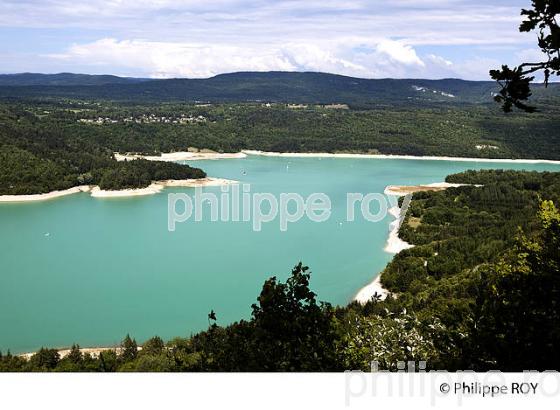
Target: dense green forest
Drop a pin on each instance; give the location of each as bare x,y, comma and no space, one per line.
47,145
38,156
480,290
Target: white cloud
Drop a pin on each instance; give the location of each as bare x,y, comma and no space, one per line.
399,52
195,60
475,68
160,59
354,57
417,22
532,55
439,61
193,38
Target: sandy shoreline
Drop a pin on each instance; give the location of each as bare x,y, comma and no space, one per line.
385,156
44,197
97,192
367,292
394,243
158,186
180,156
193,156
401,190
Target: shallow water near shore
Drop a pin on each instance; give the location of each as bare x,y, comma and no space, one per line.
84,270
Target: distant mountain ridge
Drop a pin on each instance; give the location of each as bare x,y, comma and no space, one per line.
63,79
296,87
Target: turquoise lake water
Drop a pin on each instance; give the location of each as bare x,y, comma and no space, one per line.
109,267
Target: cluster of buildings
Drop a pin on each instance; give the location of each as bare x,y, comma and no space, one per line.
146,119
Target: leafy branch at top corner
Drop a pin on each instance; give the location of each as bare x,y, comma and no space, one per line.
515,82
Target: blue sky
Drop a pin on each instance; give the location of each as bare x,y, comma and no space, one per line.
198,39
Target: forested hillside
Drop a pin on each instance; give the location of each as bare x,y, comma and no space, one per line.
480,290
39,156
62,79
56,145
287,87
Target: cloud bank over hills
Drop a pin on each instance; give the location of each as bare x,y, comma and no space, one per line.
185,38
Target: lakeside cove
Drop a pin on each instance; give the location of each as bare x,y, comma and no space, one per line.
165,283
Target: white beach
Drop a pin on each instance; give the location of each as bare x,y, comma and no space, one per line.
158,186
402,190
394,245
193,156
97,192
384,156
46,196
194,183
180,156
367,292
152,189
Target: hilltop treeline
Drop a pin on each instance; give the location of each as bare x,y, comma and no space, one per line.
246,87
287,87
480,290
